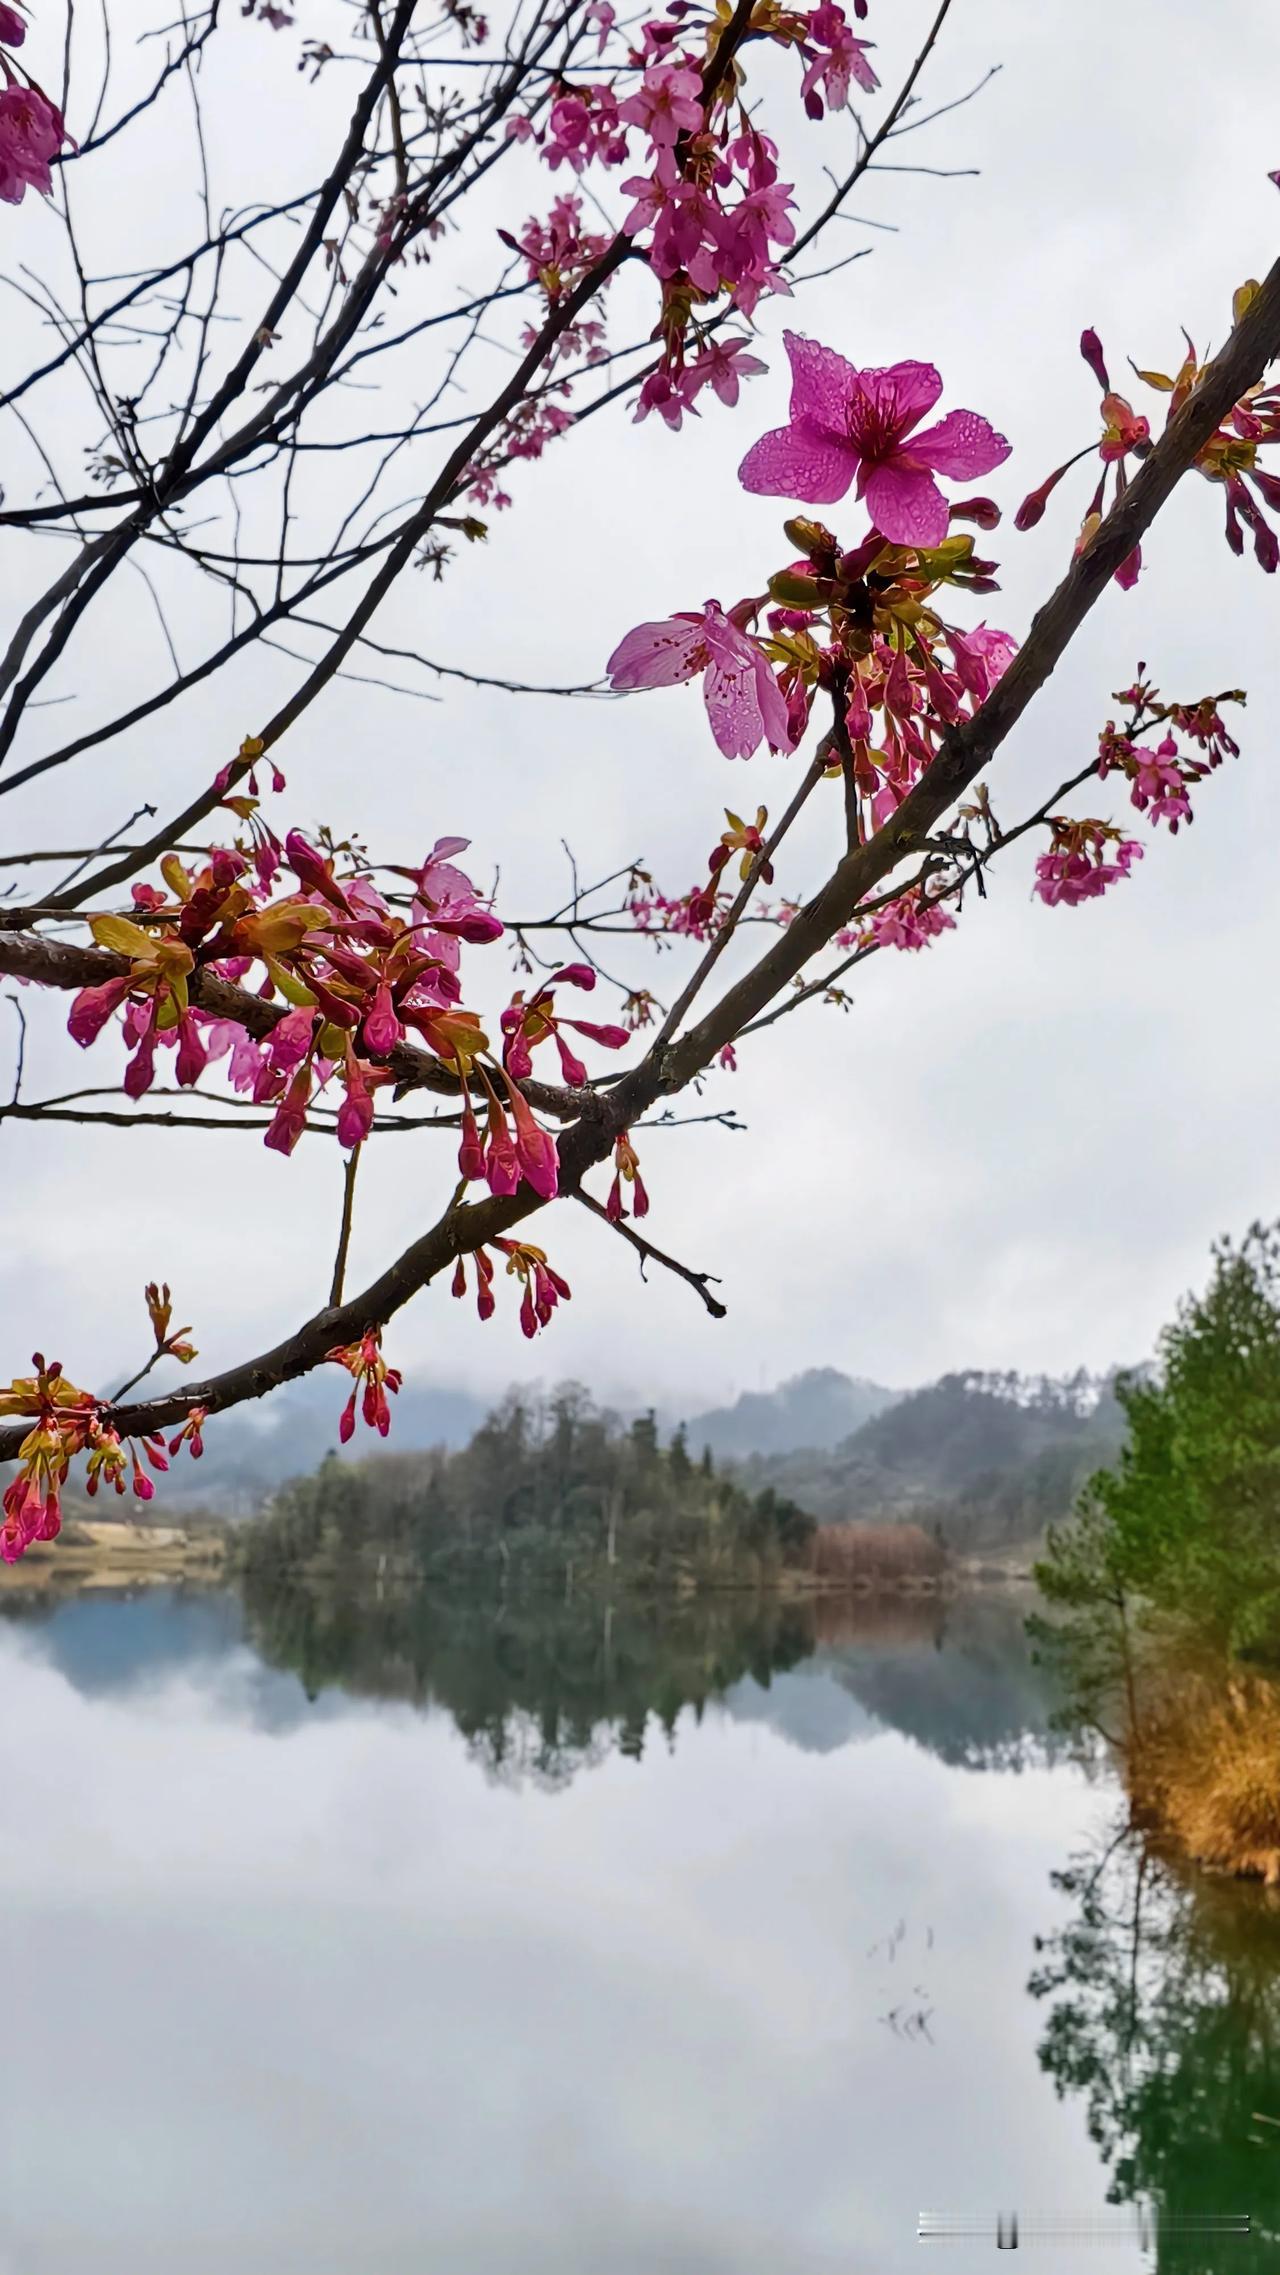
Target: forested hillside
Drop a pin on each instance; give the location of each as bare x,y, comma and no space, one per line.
546,1490
557,1488
992,1459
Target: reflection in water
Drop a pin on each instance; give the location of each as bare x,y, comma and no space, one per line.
539,1687
1166,2019
301,1993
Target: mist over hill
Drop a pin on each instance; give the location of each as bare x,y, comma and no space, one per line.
990,1459
820,1408
253,1450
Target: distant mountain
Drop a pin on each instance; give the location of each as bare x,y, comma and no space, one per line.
817,1409
990,1458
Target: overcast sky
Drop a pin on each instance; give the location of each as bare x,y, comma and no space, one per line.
1016,1147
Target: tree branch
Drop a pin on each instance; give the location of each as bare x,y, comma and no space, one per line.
647,1253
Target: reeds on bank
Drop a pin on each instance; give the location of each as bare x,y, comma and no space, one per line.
1203,1765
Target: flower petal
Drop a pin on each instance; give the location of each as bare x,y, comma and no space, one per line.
657,655
774,714
906,504
822,385
799,462
901,393
961,444
729,692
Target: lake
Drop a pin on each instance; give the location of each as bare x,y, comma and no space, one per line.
484,1939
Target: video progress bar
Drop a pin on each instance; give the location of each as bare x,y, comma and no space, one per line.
1128,2224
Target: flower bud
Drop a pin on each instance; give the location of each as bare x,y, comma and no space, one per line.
811,538
1091,350
984,511
797,591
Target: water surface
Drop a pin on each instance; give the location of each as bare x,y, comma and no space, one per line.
514,1941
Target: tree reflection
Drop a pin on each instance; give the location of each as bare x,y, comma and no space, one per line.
1166,2018
542,1686
538,1689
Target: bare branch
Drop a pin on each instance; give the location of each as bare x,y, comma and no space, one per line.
648,1254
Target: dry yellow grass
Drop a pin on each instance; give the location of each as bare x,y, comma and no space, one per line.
1206,1769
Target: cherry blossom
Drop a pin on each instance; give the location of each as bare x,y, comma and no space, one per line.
372,1378
66,1422
848,425
835,58
626,1171
667,104
722,365
1077,867
542,1284
910,922
527,1024
743,699
31,134
1228,457
585,128
1159,788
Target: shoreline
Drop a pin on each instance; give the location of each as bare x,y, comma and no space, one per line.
103,1553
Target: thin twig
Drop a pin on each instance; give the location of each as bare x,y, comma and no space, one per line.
349,1168
647,1253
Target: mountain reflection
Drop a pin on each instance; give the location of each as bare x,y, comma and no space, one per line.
541,1688
1166,2019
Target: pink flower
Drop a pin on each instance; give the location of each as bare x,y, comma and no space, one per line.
981,658
746,235
744,702
192,1055
669,397
355,1114
535,1148
371,1375
722,365
290,1118
1077,868
446,908
543,1286
652,194
290,1039
12,29
845,59
848,424
31,133
583,126
667,104
382,1028
1159,786
140,1072
246,1063
909,922
93,1007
